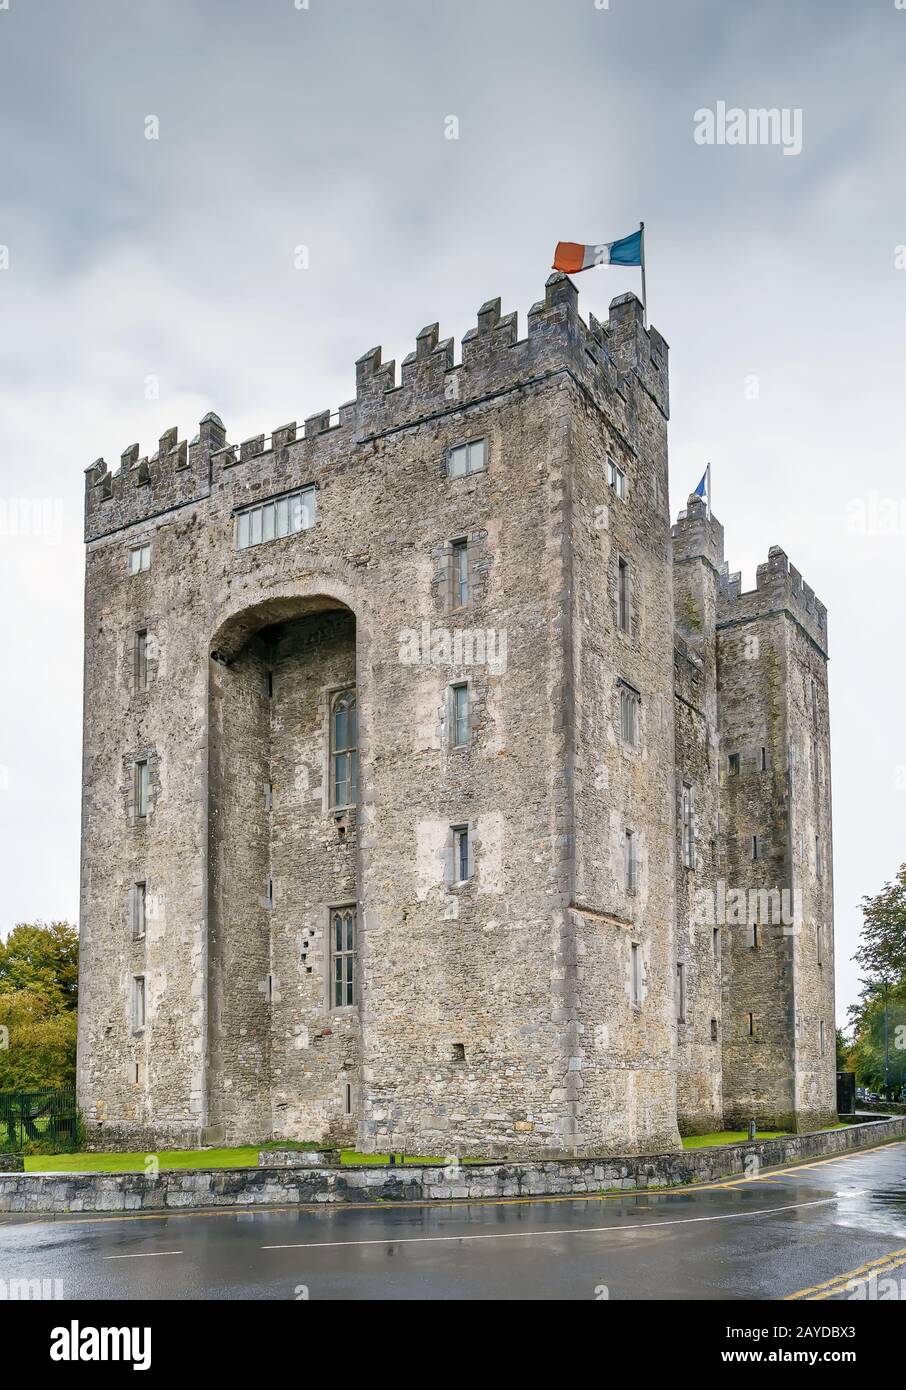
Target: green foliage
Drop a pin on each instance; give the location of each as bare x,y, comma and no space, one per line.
877,1037
878,1049
40,1042
39,976
44,960
882,951
842,1051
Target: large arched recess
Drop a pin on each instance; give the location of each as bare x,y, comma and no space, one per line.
280,1059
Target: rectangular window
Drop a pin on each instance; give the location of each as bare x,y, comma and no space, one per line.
139,899
459,715
630,861
733,765
629,714
344,757
764,760
462,854
635,973
467,458
756,848
138,1003
142,789
284,516
688,828
347,1099
617,479
141,659
343,956
680,992
754,937
623,594
714,1030
140,558
821,1036
751,1024
459,573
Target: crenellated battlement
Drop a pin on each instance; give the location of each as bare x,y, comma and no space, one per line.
611,359
778,584
698,535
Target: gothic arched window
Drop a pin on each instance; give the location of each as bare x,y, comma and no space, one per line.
344,757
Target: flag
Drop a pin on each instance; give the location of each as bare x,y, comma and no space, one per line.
570,257
700,490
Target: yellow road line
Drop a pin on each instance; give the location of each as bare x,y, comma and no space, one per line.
861,1275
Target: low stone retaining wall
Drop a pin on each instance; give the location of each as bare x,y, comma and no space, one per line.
293,1184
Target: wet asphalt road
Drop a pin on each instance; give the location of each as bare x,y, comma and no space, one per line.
785,1232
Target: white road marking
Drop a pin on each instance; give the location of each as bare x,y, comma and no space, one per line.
575,1231
143,1255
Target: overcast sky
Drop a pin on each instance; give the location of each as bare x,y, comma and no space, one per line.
279,127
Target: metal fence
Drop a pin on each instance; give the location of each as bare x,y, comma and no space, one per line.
47,1117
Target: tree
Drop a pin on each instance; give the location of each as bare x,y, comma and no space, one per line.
882,951
842,1051
39,979
44,960
37,1042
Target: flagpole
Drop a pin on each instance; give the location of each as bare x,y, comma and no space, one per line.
644,286
708,471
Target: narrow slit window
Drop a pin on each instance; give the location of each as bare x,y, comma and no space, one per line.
751,1024
623,594
630,861
714,1030
138,1003
344,757
343,956
680,992
459,712
459,554
462,854
142,787
141,659
629,715
819,945
139,911
688,827
635,973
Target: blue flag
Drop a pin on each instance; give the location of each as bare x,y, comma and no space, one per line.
700,490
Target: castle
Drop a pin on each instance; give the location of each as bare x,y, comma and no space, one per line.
438,796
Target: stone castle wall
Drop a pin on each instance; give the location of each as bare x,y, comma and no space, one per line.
492,1015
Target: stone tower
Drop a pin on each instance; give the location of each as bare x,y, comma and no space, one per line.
383,779
753,750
